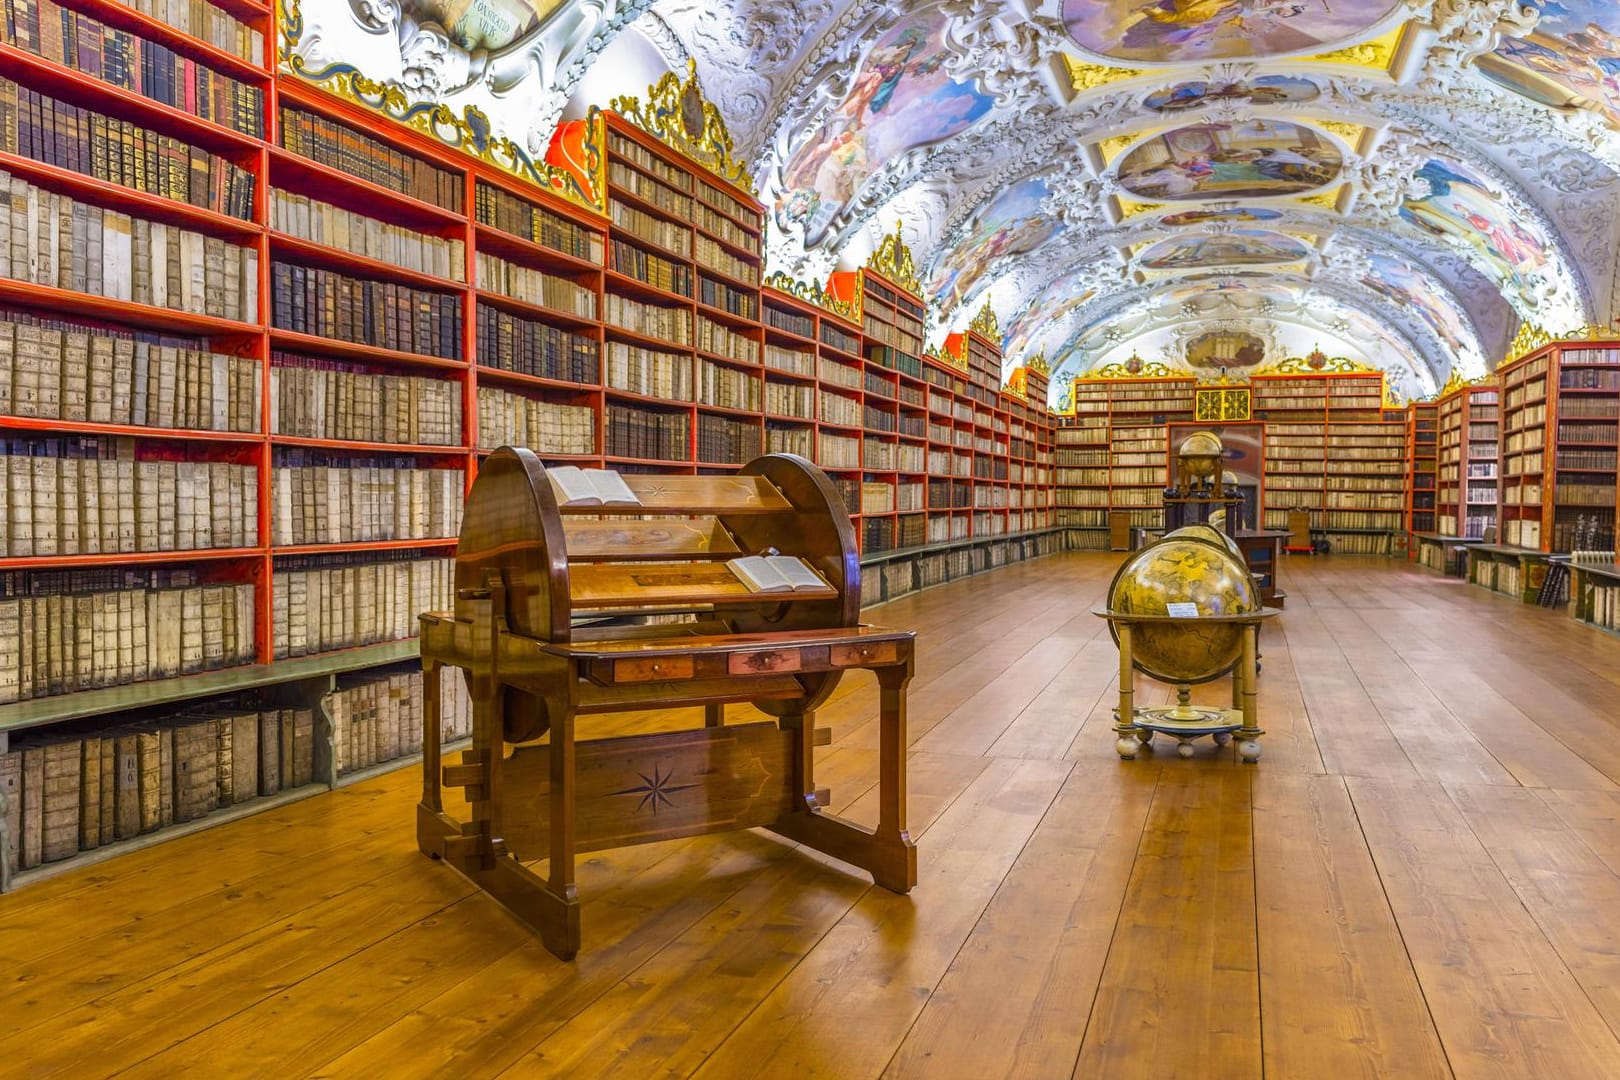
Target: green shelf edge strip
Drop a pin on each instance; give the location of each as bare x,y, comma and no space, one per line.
37,712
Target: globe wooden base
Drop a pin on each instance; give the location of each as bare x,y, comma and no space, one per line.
1185,722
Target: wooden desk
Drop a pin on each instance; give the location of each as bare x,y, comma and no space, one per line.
1503,568
1262,550
1444,553
525,566
1594,594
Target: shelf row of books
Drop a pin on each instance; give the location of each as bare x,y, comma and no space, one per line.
145,771
94,496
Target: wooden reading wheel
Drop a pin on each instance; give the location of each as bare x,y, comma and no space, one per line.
542,597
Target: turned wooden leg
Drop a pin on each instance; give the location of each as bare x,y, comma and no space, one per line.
714,716
1248,746
896,869
1126,741
559,928
802,759
432,737
892,752
485,749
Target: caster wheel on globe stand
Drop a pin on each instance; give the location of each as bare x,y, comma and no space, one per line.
1222,738
1185,748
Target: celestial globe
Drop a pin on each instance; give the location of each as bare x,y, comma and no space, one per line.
1211,533
1184,570
1200,457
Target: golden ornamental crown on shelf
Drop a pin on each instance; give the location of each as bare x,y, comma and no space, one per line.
1038,364
943,354
1017,384
1136,368
1316,362
1529,338
811,293
1457,382
470,131
986,325
678,115
893,260
1453,384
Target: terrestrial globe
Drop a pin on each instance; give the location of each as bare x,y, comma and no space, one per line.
1200,458
1183,569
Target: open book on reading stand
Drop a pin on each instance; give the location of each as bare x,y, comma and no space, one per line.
776,573
590,487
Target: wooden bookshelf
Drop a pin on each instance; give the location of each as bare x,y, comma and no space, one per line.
1332,451
1560,405
1422,432
1466,482
403,309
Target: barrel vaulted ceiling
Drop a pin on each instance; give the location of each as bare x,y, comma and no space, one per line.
1403,182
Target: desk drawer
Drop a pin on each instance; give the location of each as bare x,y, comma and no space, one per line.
647,669
875,652
765,662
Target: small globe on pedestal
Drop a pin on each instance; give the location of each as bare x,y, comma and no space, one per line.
1199,459
1210,531
1184,570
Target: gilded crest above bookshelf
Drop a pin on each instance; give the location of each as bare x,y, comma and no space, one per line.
894,261
677,114
985,323
812,293
475,78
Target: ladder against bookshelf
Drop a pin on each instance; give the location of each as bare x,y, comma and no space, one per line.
1560,407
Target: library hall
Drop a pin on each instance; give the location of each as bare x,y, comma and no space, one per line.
956,540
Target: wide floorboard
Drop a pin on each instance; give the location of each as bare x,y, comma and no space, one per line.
1420,879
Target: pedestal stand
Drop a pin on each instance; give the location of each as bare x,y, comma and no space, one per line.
1184,721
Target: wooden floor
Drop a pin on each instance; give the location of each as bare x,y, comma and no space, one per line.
1421,878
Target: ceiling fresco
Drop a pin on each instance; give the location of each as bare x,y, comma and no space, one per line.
1255,159
1241,247
901,97
1183,31
1265,90
1575,47
1012,224
1411,180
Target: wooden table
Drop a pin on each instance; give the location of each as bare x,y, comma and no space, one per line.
1504,568
1262,550
1443,553
1594,593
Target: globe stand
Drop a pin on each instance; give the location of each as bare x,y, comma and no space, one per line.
1185,722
